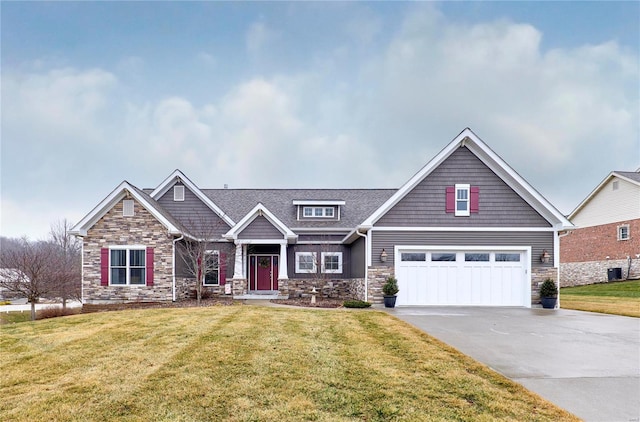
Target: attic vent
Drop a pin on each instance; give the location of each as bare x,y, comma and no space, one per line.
127,208
178,193
615,185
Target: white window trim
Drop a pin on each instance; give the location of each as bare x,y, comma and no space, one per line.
323,211
339,255
314,261
467,212
128,265
178,193
623,226
217,283
128,208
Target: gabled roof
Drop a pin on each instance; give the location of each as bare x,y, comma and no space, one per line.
176,176
470,140
632,177
119,193
260,210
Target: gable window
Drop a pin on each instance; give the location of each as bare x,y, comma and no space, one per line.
462,200
211,269
623,232
127,208
127,266
178,193
318,212
306,262
332,262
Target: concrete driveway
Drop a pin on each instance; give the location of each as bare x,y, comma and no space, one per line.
586,363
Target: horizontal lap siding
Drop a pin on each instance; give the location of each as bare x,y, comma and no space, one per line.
539,241
499,205
194,214
260,228
358,258
318,249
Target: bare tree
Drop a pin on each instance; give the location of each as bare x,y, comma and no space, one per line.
196,250
66,272
28,270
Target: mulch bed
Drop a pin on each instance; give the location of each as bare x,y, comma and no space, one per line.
306,302
150,305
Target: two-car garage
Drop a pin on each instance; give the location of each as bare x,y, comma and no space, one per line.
463,276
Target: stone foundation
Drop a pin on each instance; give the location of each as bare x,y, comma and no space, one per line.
583,273
330,289
377,278
538,276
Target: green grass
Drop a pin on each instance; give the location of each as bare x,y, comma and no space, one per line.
247,363
13,317
619,298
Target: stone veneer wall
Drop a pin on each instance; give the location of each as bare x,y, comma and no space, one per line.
186,289
350,288
590,272
538,276
115,230
377,278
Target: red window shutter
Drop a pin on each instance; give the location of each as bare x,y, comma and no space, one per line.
451,199
149,270
222,268
474,199
104,266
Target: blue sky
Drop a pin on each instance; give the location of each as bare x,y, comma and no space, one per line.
292,94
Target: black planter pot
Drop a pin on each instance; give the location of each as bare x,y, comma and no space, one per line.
389,301
548,302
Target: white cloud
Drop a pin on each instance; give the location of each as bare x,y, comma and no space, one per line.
259,36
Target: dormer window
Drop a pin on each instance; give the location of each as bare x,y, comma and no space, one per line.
178,193
326,210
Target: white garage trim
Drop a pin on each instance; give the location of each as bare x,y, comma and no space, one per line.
458,291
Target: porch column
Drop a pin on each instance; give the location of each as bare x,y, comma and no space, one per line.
282,267
237,267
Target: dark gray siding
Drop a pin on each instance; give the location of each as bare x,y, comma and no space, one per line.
358,258
226,248
260,228
318,249
538,241
499,205
194,214
321,237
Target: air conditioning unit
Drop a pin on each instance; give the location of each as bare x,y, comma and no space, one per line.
614,274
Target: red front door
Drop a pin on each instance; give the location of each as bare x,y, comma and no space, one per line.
263,272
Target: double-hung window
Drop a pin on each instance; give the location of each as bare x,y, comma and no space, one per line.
211,269
306,262
332,262
623,232
462,200
127,266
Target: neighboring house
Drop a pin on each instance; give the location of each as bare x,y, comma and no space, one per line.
465,230
606,244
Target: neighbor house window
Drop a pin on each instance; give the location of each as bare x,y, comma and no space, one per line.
211,269
462,200
127,266
331,262
127,208
623,232
178,193
306,262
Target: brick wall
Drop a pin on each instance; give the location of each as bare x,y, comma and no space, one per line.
595,243
114,229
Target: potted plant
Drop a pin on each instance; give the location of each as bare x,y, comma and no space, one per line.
548,294
389,291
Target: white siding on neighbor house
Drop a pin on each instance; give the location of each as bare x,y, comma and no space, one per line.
609,206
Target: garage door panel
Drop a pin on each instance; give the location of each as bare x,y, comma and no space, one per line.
474,281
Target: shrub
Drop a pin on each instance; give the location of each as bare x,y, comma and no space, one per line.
56,312
548,288
356,304
390,288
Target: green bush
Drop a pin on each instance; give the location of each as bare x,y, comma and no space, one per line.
356,304
548,288
390,288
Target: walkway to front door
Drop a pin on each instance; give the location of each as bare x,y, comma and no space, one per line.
263,272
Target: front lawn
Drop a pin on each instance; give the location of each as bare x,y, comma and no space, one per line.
619,298
247,363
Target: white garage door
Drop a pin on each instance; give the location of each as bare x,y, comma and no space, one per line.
468,277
